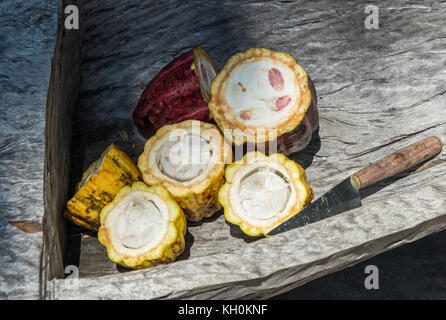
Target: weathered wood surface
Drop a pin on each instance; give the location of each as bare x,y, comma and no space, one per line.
27,38
63,93
379,90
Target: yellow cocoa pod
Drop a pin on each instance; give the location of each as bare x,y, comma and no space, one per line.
188,159
142,227
265,99
100,183
261,192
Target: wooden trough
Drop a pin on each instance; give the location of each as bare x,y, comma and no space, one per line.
379,90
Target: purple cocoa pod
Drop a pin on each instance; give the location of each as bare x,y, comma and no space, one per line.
179,92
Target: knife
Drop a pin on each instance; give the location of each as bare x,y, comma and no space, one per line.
345,195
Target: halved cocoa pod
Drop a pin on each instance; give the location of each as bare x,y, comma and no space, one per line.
180,91
142,227
262,192
263,100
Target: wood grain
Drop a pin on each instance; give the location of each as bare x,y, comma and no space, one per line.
398,161
378,91
27,40
62,97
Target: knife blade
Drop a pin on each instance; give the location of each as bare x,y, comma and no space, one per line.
346,196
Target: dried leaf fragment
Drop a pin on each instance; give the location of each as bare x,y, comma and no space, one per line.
28,226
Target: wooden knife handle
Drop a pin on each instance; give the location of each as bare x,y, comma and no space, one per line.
398,161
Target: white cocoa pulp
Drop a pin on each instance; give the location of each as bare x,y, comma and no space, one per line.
260,92
96,166
264,193
138,222
185,157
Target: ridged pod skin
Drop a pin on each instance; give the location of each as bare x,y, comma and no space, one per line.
104,182
292,133
177,93
198,198
297,177
171,245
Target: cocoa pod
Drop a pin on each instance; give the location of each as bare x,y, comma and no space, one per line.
299,138
264,100
179,92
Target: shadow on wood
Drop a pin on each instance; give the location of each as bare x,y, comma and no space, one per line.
306,155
